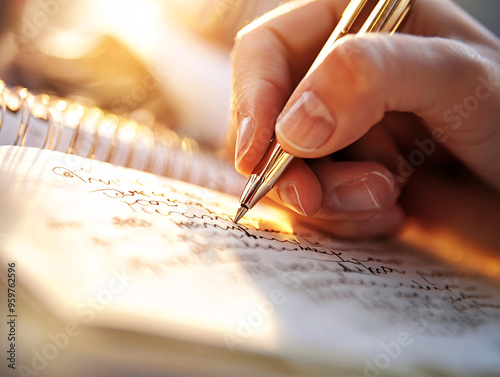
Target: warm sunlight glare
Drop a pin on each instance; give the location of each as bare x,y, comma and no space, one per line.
136,22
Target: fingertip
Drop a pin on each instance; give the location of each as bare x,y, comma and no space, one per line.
244,138
355,187
251,146
299,189
255,107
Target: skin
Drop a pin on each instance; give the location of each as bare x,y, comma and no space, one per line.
402,117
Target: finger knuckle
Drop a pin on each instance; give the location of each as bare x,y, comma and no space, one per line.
459,57
359,60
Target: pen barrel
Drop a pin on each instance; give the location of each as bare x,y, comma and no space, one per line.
349,17
386,16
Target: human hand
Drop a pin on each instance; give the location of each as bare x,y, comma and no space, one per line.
377,109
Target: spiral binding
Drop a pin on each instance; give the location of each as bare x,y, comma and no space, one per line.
96,134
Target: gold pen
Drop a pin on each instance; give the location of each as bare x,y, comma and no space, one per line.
386,15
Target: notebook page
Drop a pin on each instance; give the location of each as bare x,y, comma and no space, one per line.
109,246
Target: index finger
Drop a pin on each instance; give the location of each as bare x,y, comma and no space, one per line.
269,58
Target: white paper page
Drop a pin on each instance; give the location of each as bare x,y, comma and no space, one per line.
109,246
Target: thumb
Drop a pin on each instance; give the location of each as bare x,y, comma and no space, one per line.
364,77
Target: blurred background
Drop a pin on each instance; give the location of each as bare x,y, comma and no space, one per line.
485,11
158,62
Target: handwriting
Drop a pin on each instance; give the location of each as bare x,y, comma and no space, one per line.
119,194
59,224
392,281
79,175
64,172
131,222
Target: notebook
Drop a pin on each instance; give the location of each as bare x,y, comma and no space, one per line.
124,271
53,123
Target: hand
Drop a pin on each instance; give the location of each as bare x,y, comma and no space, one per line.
377,110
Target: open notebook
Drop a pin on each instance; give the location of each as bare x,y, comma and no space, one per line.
121,272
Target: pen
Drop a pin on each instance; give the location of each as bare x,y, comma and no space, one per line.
386,16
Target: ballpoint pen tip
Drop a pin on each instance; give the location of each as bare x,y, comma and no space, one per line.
241,212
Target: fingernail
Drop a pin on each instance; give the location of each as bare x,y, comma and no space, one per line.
374,192
307,125
289,195
244,137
